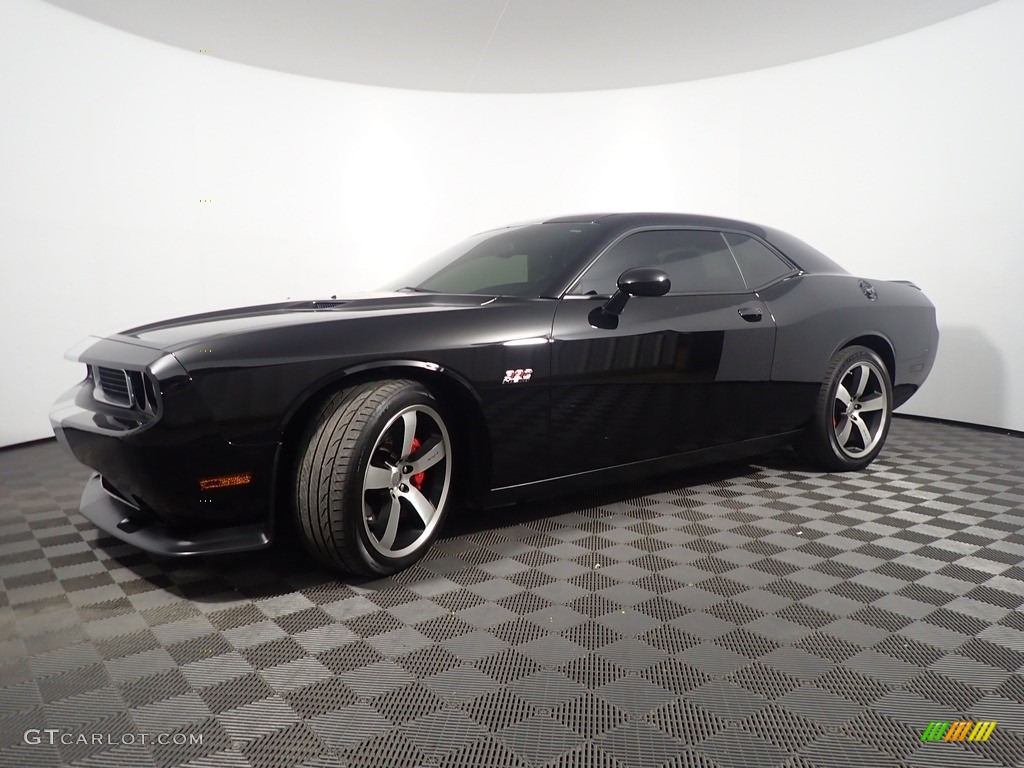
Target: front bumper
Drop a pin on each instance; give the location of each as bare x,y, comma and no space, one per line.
133,526
147,489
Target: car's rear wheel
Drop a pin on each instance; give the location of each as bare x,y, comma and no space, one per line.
373,482
852,413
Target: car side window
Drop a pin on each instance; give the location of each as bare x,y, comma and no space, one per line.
757,263
696,261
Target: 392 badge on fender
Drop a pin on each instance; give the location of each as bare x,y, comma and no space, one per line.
517,375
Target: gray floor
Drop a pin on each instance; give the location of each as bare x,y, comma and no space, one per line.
746,615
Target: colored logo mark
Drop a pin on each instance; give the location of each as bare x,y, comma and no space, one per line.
960,730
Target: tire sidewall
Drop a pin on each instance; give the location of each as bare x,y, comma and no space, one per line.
362,449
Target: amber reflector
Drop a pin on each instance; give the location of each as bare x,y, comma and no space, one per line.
225,481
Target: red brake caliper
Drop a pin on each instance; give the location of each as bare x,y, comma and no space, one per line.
419,477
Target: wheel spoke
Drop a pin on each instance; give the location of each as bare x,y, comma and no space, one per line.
843,395
419,502
865,433
391,528
864,373
400,511
376,477
408,434
843,430
873,403
429,454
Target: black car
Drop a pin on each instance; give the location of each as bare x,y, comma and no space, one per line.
526,360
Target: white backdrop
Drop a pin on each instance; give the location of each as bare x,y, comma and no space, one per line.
902,159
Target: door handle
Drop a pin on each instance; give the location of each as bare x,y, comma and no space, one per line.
750,314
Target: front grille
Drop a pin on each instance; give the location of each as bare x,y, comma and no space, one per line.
125,389
136,380
114,384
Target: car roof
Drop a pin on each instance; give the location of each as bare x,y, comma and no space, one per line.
640,219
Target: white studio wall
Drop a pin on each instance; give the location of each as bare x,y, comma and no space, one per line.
140,182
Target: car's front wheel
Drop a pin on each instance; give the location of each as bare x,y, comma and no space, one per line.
852,413
373,482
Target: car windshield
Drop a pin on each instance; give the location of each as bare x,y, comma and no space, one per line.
520,261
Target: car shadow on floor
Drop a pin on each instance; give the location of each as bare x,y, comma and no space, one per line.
466,521
286,566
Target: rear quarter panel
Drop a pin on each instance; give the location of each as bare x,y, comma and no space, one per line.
816,315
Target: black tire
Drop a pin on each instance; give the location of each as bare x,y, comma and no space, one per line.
852,413
360,503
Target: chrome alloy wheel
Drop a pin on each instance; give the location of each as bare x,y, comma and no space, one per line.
860,410
407,481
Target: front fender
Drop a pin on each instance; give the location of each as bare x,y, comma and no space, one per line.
367,370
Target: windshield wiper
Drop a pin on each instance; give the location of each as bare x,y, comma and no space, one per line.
414,289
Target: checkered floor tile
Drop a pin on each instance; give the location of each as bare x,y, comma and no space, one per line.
748,615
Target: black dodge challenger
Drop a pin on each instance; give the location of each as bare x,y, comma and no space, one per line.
526,360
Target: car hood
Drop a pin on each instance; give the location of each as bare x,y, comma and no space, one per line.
185,331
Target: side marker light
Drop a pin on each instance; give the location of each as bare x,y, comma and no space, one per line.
225,481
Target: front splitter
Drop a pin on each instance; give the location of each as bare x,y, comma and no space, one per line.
107,513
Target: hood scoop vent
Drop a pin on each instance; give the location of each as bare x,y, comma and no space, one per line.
329,303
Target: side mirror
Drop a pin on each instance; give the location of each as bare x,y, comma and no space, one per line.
639,281
644,281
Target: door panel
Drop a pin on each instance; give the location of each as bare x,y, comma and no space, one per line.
678,373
